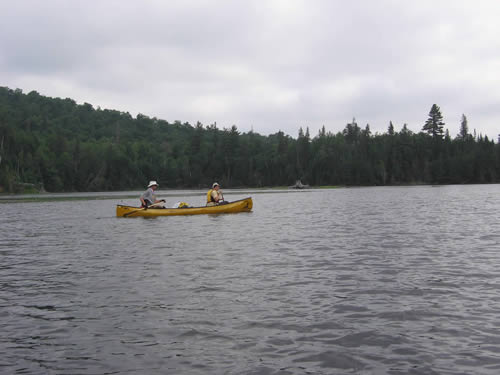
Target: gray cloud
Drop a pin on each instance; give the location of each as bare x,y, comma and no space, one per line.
274,65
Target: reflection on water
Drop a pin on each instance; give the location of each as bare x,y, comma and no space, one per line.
361,281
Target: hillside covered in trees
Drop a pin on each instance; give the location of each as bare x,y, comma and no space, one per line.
55,145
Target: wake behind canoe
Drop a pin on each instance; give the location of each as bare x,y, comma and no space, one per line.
243,205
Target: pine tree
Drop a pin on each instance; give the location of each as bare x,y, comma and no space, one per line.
405,130
390,130
464,128
434,124
303,151
367,132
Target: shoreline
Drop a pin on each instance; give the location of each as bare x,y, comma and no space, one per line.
172,193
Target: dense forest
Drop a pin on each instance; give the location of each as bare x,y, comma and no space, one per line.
53,144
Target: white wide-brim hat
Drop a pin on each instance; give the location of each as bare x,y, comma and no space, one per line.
215,184
152,183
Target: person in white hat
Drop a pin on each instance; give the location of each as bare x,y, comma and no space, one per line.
214,195
148,197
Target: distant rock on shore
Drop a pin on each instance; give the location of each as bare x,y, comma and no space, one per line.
299,185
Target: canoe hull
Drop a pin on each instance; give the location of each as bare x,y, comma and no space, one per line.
243,205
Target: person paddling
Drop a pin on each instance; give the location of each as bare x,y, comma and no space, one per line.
148,197
214,195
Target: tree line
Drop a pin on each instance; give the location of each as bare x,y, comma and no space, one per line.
55,145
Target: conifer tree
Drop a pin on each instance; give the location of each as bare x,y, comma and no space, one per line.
464,128
434,124
390,130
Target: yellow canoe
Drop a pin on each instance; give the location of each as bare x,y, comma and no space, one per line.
243,205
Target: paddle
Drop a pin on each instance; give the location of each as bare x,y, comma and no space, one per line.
140,209
223,201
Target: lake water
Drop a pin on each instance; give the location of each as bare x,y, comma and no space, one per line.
382,280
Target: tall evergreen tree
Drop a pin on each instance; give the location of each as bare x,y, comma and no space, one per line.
434,124
390,129
352,131
303,150
464,128
366,132
405,130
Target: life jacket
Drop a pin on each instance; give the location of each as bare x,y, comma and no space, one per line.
209,196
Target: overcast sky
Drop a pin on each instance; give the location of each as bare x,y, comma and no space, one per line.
267,65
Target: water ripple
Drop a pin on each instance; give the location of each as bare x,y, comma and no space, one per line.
346,281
